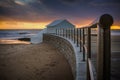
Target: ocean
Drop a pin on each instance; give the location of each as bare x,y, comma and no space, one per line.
12,36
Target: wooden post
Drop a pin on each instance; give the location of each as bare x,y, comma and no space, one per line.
66,32
69,32
104,48
88,51
74,36
83,45
72,33
63,32
80,40
58,32
77,37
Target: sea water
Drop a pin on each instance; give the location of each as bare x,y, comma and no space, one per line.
12,36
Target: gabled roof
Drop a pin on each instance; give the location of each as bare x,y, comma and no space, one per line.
55,22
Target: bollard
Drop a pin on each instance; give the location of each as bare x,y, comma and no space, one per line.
104,48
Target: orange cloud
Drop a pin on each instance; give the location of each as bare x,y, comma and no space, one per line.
22,25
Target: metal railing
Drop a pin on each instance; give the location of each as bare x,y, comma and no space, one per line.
82,38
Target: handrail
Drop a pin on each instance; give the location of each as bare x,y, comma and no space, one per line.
103,49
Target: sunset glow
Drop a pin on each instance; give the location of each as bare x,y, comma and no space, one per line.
36,14
36,25
115,27
21,25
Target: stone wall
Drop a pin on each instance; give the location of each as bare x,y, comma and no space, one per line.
71,53
64,47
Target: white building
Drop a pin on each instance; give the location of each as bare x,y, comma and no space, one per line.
57,24
51,28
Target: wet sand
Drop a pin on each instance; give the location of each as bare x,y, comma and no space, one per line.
33,62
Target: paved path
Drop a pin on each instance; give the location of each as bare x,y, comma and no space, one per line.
33,62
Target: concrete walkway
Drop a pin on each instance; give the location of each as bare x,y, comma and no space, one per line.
33,62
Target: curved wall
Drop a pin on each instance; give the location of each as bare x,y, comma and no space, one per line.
68,50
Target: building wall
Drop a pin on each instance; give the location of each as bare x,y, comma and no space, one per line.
51,30
63,24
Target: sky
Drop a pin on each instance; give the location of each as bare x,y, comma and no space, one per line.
36,14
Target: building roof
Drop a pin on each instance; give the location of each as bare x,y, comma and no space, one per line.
55,22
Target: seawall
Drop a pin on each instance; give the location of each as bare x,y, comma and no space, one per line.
71,53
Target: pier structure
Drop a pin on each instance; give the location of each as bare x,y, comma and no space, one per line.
87,49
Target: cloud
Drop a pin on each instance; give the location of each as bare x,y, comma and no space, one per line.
24,2
47,10
19,2
71,1
7,3
74,2
105,3
23,10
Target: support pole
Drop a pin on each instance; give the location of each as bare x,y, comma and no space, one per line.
104,48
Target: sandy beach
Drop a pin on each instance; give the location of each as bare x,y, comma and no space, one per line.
33,62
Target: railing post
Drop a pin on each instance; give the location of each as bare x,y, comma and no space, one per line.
104,48
83,45
58,32
88,51
74,35
69,33
66,33
77,37
63,32
80,40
